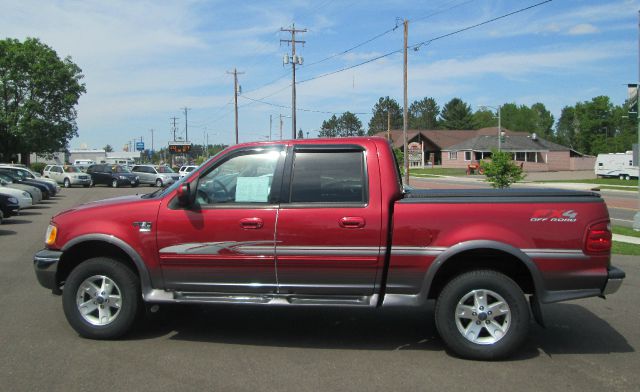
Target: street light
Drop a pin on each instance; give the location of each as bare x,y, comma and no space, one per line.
497,109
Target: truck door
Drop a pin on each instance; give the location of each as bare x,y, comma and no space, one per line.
225,243
329,225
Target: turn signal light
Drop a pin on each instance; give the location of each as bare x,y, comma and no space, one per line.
599,238
50,237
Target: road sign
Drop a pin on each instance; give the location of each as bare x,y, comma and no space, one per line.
140,146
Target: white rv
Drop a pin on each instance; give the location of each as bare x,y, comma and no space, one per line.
620,165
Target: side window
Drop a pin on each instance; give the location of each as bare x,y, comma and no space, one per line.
329,177
241,179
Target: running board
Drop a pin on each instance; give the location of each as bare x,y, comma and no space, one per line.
161,296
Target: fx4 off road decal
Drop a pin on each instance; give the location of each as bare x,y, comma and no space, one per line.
554,216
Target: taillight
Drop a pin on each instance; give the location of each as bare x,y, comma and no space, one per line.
599,237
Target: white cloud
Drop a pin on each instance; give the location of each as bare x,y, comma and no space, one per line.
582,29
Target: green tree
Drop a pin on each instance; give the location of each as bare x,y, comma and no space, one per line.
346,125
108,148
566,129
501,171
38,95
378,122
456,114
424,114
484,118
300,134
543,121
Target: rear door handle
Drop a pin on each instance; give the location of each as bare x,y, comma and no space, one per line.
352,222
251,223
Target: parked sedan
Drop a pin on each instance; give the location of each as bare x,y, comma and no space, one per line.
114,175
8,207
67,175
46,188
36,194
155,175
24,198
30,175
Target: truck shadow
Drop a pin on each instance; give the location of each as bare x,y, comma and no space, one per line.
571,329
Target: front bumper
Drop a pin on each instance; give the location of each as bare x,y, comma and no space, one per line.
80,181
45,264
615,276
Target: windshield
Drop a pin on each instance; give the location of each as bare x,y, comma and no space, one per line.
164,169
120,169
72,169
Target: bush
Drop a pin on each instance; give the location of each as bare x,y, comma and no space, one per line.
38,167
501,171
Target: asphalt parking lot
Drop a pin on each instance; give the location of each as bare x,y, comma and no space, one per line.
588,345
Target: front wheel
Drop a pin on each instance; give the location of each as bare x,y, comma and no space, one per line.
114,183
159,183
67,183
482,315
101,298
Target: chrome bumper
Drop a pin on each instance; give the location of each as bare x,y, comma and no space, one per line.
615,276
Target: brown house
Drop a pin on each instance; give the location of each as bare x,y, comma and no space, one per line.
459,148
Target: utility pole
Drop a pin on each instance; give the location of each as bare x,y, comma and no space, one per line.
405,120
235,74
186,124
388,124
270,125
280,126
295,59
636,217
151,139
174,126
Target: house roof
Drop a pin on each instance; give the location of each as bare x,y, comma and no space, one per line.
442,138
516,141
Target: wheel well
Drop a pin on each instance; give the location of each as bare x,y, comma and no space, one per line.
72,257
476,259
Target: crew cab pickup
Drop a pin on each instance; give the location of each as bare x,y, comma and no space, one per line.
326,222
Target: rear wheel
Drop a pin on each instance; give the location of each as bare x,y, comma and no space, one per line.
482,315
159,183
101,298
66,183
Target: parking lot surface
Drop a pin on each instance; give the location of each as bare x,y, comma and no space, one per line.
587,345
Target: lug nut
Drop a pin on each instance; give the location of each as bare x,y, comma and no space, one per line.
477,322
482,308
474,313
487,322
489,313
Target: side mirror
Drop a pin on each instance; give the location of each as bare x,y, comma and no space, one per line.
186,197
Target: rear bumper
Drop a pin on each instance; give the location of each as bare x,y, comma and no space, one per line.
45,264
615,276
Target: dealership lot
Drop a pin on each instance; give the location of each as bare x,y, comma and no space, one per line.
587,345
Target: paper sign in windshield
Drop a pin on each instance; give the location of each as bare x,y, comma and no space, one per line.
252,189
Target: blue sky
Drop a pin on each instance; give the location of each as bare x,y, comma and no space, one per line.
145,60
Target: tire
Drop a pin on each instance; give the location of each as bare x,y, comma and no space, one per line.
159,183
66,183
1,216
124,288
91,183
114,183
477,294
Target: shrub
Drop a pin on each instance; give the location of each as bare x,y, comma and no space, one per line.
38,167
501,171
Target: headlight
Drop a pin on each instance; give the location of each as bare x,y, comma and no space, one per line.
25,194
13,200
50,236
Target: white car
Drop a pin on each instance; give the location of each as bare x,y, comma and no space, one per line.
24,198
67,175
185,170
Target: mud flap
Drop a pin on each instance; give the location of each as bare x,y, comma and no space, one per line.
536,310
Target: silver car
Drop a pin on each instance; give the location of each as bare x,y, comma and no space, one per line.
67,175
155,175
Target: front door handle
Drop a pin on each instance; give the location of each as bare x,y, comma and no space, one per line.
251,223
352,222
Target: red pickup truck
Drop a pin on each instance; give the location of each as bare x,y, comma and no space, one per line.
327,223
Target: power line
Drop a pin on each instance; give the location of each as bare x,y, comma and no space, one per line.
418,45
441,11
289,107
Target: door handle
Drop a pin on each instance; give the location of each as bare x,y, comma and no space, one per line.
352,222
251,223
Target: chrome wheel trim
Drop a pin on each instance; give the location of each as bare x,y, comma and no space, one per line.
99,300
483,317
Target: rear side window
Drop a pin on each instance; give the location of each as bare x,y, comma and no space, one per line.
329,177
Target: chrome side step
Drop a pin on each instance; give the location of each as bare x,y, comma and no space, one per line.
161,296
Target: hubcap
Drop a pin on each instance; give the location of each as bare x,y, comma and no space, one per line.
483,317
99,300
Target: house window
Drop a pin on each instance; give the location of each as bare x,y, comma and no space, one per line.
531,157
467,155
520,156
453,155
